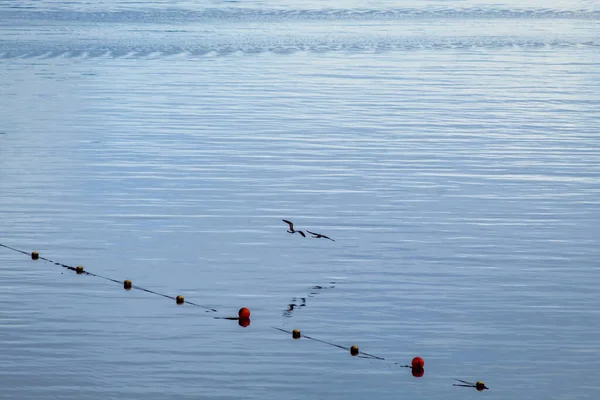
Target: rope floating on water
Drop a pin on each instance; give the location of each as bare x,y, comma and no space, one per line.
479,385
417,365
296,334
127,284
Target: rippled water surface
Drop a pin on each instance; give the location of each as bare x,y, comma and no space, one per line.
451,149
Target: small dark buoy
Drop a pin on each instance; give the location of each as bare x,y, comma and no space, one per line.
244,322
244,312
418,362
479,385
35,255
127,284
179,300
296,334
354,350
79,270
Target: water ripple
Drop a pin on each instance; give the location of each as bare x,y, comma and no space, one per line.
286,46
287,15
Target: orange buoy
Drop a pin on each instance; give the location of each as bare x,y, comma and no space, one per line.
179,300
418,372
79,269
480,386
244,312
35,255
244,322
127,284
418,362
296,334
354,350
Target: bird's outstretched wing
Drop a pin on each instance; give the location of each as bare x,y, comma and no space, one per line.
289,223
319,235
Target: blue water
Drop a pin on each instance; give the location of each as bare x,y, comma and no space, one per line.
451,149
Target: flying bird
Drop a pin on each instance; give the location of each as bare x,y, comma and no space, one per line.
319,236
291,230
480,386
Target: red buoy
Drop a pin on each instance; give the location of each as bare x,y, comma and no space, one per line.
418,363
418,372
244,312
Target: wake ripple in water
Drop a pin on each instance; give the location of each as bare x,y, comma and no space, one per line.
281,46
217,32
275,15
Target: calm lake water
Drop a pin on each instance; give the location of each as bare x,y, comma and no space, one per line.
451,149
